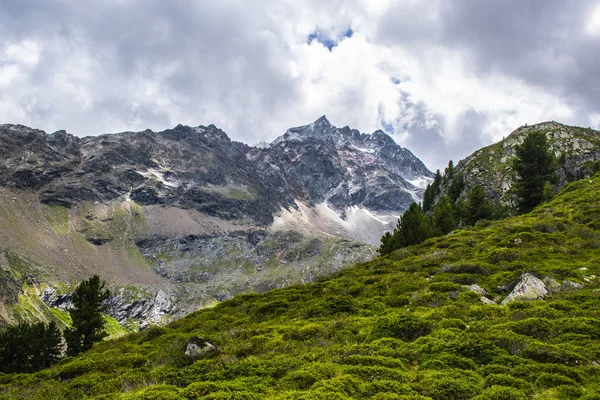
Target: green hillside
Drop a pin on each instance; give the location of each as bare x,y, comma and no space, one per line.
403,326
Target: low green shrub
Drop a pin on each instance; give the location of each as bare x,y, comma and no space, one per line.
501,393
547,380
405,327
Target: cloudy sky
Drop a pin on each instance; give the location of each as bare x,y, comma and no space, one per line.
443,78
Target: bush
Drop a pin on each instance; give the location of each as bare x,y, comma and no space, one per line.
306,332
340,304
386,386
547,381
158,392
451,385
389,362
445,287
445,360
452,323
508,380
374,373
405,327
501,393
305,377
539,328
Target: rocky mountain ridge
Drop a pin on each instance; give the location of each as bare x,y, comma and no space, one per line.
179,219
578,151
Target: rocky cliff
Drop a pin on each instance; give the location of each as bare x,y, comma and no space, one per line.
179,219
578,151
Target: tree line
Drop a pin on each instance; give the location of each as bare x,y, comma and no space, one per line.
439,214
27,347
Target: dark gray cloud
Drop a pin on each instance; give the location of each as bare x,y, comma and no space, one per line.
445,77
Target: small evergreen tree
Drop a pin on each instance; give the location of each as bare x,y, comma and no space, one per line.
29,347
535,166
88,323
448,173
437,182
413,227
477,206
428,198
443,216
432,191
457,184
387,244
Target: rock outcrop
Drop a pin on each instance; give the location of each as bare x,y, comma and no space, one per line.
528,288
578,150
198,347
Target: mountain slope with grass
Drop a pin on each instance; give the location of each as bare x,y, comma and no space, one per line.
577,149
425,322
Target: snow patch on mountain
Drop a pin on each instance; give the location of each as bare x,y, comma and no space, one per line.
355,223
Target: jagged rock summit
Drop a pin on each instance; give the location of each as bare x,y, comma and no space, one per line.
202,169
177,219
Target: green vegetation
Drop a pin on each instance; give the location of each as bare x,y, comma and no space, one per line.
58,217
535,166
28,348
86,316
403,326
413,228
440,215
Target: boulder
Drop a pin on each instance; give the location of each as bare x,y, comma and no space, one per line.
198,347
477,289
528,288
485,300
552,285
569,285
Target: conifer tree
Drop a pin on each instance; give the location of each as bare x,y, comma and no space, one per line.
88,323
535,166
29,347
448,172
387,244
477,206
457,184
432,191
443,216
413,226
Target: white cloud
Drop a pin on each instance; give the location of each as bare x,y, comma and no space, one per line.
117,66
592,27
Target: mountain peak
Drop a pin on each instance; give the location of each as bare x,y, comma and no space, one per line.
322,122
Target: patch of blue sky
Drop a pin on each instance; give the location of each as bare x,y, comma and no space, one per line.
328,41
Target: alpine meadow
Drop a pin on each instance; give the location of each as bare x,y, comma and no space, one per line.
299,200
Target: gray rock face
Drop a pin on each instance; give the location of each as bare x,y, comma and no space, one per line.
567,286
528,288
201,168
53,299
198,348
145,307
485,300
211,217
551,285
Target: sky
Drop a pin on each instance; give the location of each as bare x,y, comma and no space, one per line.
443,78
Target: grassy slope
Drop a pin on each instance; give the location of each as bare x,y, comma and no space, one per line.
397,327
492,165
